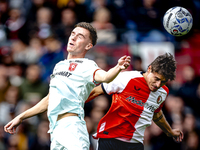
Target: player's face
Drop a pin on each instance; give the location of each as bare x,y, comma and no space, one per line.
155,81
79,41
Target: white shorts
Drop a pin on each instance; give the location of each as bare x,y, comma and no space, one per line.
70,133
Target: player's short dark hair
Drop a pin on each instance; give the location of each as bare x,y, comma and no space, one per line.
165,65
91,29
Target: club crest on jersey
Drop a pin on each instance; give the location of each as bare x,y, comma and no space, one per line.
72,66
159,99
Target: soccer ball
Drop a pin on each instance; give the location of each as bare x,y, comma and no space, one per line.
177,21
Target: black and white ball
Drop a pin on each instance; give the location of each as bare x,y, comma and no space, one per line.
177,21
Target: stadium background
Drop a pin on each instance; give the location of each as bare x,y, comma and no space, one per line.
33,37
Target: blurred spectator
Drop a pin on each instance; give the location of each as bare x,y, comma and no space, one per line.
7,107
2,138
6,57
154,139
36,45
96,114
43,26
14,23
102,103
192,141
77,6
33,89
93,5
144,22
3,11
18,141
174,109
41,140
198,91
105,29
4,81
54,53
36,5
101,61
3,34
64,28
13,142
16,73
14,70
137,63
189,123
188,90
100,106
90,129
23,54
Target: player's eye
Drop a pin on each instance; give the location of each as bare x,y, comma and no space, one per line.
80,37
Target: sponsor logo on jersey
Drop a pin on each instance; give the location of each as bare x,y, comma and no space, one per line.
72,66
140,103
62,73
137,89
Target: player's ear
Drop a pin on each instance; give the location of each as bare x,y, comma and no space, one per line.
89,46
149,69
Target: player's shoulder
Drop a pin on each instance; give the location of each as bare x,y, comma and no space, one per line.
165,88
131,74
90,63
78,60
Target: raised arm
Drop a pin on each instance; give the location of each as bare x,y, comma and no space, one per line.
103,76
161,121
40,107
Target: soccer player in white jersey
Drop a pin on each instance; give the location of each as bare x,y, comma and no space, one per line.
137,99
71,83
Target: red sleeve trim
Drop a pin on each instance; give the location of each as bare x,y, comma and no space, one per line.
159,108
93,78
166,89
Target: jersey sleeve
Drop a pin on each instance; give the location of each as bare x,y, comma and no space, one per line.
91,70
161,105
117,85
159,108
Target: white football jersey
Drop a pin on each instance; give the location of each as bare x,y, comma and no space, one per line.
71,83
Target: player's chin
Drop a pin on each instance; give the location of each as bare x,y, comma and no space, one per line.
153,89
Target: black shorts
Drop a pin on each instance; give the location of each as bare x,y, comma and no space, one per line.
114,144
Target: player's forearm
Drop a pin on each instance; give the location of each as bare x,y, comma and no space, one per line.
94,93
112,73
40,107
103,76
161,121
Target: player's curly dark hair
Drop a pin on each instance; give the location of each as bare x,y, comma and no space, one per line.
165,65
91,29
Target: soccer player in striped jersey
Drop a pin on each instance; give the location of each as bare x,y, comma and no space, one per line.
137,99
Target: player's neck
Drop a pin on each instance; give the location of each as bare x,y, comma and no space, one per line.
70,56
145,75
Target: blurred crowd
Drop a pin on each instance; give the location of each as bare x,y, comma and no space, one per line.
33,38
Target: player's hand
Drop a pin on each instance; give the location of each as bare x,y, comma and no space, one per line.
124,62
12,125
177,135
